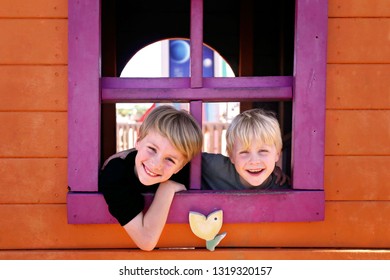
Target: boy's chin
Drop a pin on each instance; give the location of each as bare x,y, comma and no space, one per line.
148,181
252,183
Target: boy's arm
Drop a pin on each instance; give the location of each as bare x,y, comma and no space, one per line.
145,229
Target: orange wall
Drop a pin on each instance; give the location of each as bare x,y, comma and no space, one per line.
33,150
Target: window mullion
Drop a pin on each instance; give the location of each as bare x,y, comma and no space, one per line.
196,43
84,98
196,164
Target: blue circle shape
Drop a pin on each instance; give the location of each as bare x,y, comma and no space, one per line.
179,51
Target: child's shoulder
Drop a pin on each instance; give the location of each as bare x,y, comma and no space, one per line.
210,157
216,163
120,155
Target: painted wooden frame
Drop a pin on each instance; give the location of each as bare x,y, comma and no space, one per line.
306,89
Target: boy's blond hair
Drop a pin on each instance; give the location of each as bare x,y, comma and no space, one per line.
178,126
256,124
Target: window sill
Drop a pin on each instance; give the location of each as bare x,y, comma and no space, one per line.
237,206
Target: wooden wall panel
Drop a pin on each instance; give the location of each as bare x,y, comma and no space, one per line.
32,88
362,224
358,8
33,134
33,41
361,132
358,40
357,178
36,8
358,86
33,149
44,226
199,254
37,180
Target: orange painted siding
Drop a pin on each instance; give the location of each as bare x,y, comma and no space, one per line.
38,180
358,86
357,132
354,178
34,9
359,40
359,8
348,224
199,254
34,87
33,41
33,150
34,134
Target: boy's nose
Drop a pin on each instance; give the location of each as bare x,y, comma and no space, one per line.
157,163
254,159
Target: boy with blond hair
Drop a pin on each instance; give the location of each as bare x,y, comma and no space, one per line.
254,145
168,140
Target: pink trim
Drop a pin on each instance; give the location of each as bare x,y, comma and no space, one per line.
162,89
308,119
287,206
84,98
164,83
309,94
186,95
196,164
196,43
122,83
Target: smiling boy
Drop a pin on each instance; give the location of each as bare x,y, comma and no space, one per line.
254,144
168,140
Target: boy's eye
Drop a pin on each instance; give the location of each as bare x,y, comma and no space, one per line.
171,160
152,149
243,152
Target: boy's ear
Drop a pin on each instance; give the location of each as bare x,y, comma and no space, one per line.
136,144
230,157
277,156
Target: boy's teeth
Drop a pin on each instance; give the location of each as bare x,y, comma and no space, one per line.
254,170
150,172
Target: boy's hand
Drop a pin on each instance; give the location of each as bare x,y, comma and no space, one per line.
174,186
281,178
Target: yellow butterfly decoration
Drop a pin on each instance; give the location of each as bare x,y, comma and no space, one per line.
207,228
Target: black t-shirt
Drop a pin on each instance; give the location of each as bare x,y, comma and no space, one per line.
123,191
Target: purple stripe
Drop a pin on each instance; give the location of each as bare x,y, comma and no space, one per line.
309,94
118,83
84,99
287,206
308,86
196,162
204,94
239,82
196,43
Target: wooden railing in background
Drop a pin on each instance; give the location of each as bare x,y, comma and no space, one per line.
213,133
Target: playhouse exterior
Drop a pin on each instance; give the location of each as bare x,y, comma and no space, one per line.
41,216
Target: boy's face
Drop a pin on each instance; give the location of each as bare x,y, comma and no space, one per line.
254,164
157,159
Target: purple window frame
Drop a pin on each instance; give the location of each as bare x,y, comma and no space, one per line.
306,88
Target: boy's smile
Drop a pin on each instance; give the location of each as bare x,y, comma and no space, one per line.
254,164
150,173
157,159
255,171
